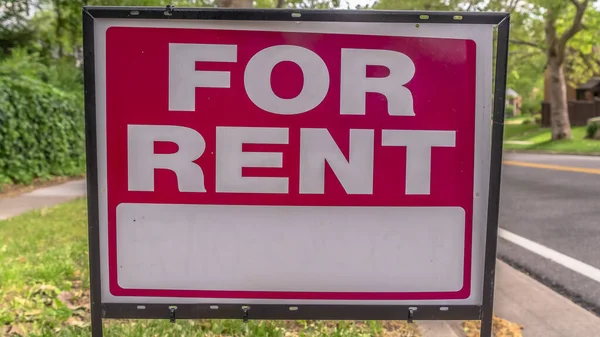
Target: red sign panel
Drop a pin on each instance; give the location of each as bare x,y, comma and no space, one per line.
261,118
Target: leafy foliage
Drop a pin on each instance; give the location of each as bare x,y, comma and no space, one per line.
530,107
591,130
509,110
538,28
583,51
41,131
299,4
23,63
14,29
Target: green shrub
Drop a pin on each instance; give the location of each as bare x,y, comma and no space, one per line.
21,63
60,73
41,131
591,130
509,111
530,107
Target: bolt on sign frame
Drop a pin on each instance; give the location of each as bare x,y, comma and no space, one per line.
477,304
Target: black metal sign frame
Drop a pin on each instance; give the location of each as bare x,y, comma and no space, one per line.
100,310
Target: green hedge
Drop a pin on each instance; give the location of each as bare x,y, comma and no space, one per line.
41,131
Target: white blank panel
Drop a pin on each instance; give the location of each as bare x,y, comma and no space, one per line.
281,248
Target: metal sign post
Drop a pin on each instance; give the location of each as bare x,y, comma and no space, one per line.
293,164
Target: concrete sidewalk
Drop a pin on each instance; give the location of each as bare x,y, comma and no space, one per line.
519,298
541,311
40,198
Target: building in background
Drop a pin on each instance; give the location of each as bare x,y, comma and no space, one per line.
589,91
513,101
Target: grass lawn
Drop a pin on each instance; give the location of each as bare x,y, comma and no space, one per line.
532,137
44,289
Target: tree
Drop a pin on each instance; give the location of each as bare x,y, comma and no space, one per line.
556,45
545,34
14,29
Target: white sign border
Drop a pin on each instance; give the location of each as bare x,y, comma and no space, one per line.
481,34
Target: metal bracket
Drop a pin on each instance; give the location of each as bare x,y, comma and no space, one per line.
172,310
169,10
411,313
245,311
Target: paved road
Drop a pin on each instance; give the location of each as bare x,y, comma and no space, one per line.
559,210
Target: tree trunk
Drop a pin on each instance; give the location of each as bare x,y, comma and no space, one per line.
557,45
559,111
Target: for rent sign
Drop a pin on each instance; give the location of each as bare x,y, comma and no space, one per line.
289,165
283,162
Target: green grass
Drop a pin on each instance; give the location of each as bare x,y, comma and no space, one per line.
519,119
44,289
540,140
516,130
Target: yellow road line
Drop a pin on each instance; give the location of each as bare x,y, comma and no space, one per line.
553,167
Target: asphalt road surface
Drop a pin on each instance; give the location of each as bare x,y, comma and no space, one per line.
550,222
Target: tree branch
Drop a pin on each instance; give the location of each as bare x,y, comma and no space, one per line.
280,3
518,55
579,4
550,28
551,37
528,59
576,26
527,43
470,6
